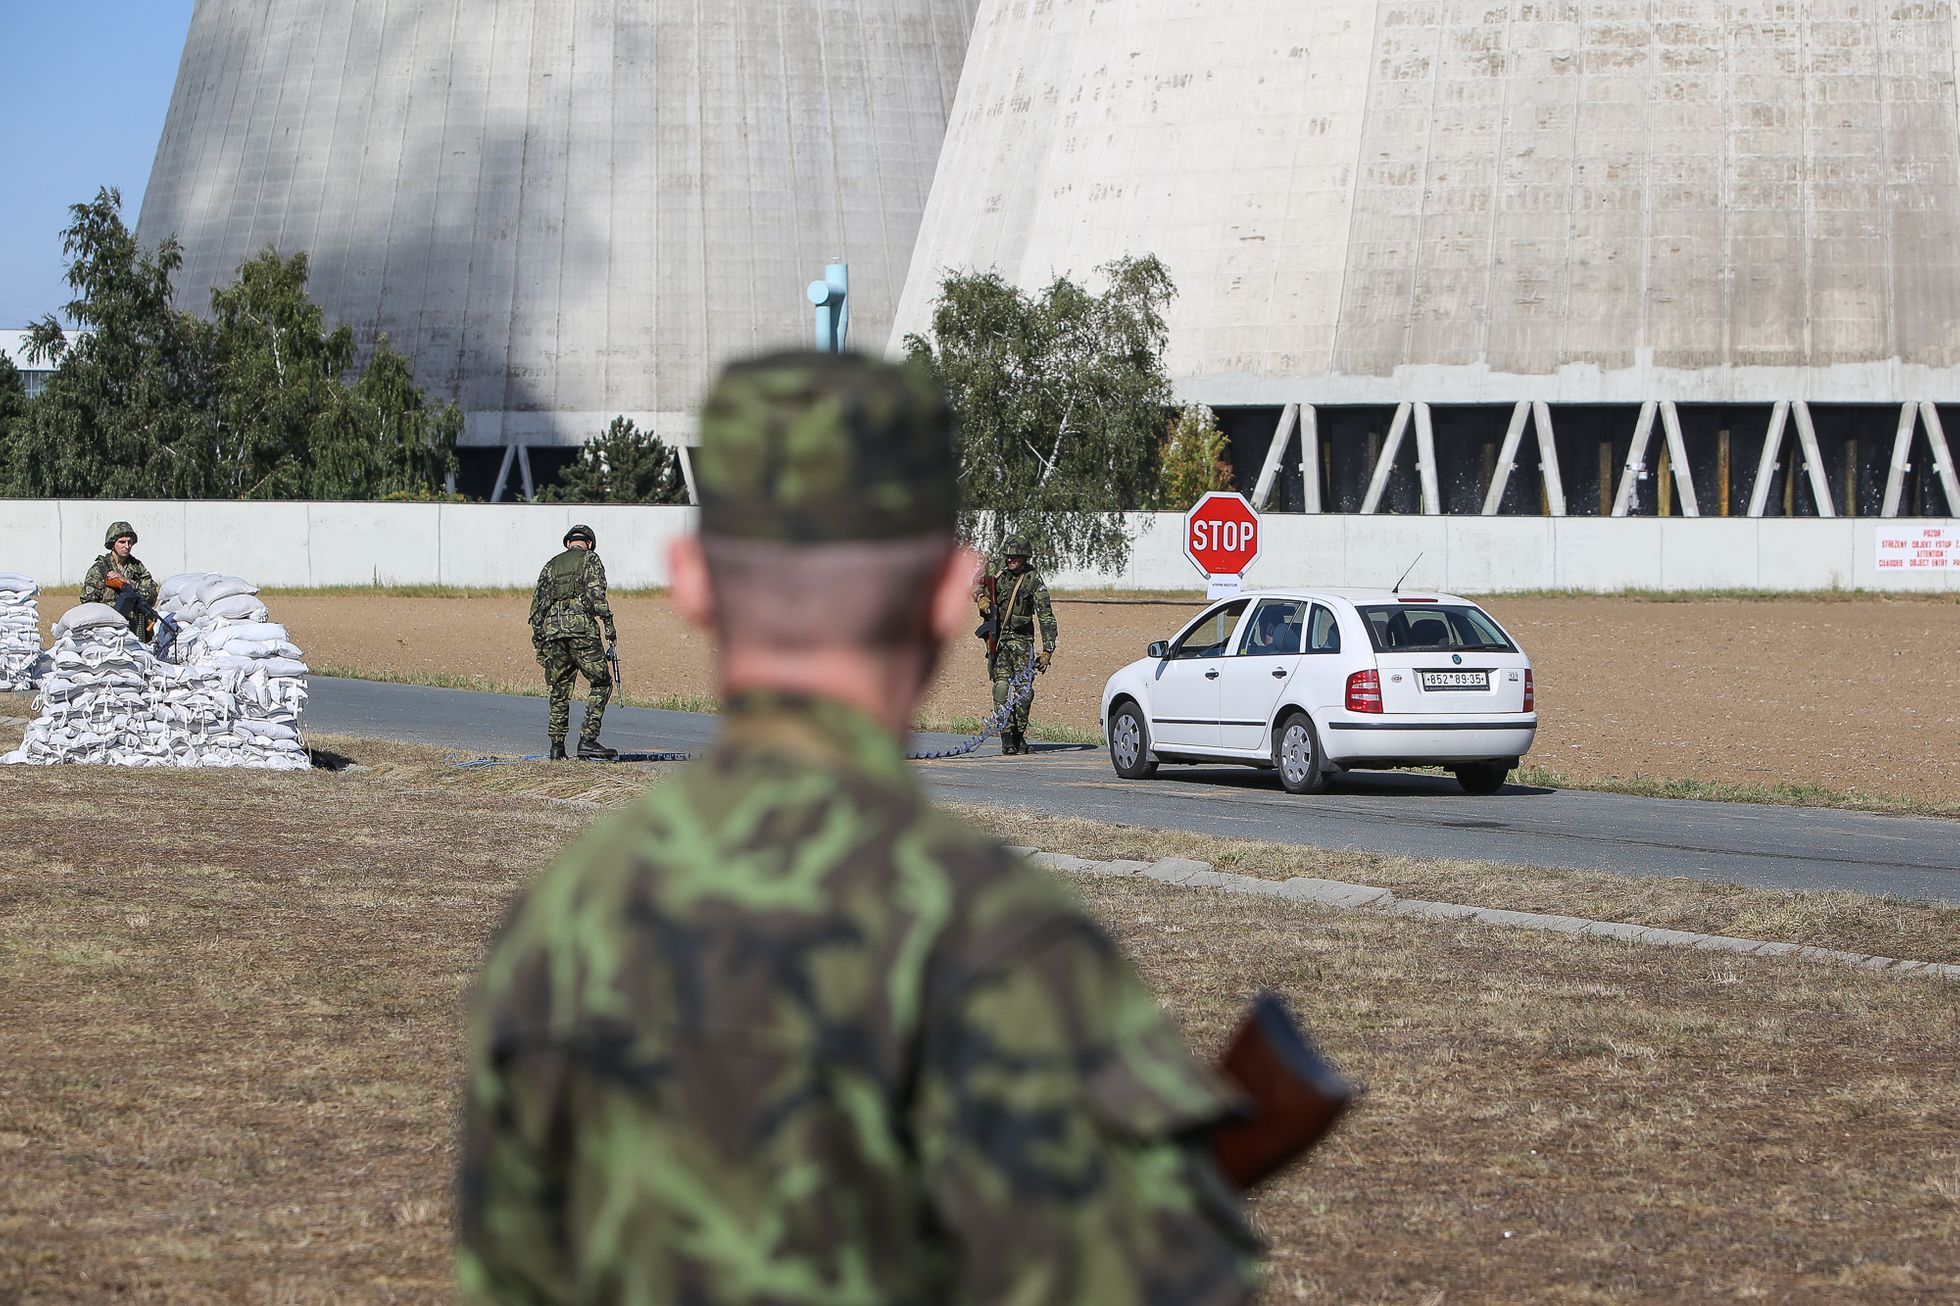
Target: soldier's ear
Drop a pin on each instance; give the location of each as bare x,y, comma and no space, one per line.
687,576
952,595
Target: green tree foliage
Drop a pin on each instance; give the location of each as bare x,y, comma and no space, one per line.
255,404
386,441
13,408
1061,397
625,465
121,416
1194,461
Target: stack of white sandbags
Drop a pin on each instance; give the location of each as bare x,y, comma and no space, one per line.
225,628
20,632
233,701
97,699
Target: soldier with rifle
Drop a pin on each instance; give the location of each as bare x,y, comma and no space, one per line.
1014,607
120,579
568,608
782,1031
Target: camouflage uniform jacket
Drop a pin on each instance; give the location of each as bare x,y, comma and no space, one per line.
95,587
783,1033
1031,607
570,600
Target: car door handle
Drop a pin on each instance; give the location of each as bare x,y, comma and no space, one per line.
1279,673
1212,674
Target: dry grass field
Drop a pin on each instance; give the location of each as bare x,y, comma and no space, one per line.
233,1001
1855,695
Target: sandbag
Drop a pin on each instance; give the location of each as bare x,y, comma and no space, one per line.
238,607
223,587
245,631
87,616
182,582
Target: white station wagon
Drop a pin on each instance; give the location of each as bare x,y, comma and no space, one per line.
1313,682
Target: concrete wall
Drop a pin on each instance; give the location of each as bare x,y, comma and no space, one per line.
1367,201
479,545
561,211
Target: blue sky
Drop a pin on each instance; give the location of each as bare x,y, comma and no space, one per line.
84,85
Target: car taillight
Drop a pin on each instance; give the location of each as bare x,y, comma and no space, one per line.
1530,699
1364,692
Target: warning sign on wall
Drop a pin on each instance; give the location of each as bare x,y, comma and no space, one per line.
1918,548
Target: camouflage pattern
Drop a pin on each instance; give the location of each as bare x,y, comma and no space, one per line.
819,448
564,660
570,599
568,610
1026,611
782,1033
118,529
95,585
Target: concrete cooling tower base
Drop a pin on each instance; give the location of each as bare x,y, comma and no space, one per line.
1667,221
561,212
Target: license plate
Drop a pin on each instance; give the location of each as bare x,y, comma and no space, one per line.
1455,679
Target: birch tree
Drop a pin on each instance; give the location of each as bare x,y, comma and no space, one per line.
1061,396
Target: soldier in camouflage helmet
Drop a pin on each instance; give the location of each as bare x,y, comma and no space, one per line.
568,609
1015,597
781,1032
120,579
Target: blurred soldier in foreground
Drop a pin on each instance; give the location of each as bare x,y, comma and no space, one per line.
782,1032
1015,599
567,611
119,579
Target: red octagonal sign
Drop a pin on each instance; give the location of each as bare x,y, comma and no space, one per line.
1221,534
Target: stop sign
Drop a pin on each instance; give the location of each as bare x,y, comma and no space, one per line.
1221,534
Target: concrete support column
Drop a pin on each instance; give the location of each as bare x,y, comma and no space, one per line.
1507,458
1275,453
1385,465
1942,456
1432,497
1779,416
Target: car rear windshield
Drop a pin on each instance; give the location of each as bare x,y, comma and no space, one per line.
1428,627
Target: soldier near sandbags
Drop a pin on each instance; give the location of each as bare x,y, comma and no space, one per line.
120,579
1015,599
568,613
781,1031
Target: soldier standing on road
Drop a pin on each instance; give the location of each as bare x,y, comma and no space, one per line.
567,610
782,1032
119,579
1022,598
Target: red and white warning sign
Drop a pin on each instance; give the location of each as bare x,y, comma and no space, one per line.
1918,548
1221,538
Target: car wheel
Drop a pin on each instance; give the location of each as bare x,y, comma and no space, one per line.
1129,744
1482,777
1296,755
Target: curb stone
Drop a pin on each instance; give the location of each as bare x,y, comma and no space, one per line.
1188,873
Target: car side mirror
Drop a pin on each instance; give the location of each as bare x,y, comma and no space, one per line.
1158,649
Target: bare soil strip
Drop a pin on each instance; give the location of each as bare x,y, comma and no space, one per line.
233,1004
1846,696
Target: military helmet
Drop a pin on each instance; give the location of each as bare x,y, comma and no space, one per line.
812,448
581,532
1016,546
118,529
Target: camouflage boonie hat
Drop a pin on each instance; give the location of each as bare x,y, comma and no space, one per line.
118,529
823,448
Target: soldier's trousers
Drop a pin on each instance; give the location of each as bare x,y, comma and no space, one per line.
1009,661
564,660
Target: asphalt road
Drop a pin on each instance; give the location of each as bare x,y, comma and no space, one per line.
1412,815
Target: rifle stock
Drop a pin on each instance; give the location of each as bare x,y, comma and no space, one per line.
1295,1096
990,628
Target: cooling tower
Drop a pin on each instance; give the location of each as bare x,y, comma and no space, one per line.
1703,202
561,211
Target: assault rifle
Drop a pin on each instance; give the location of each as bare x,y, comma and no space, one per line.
130,602
989,629
1296,1097
619,679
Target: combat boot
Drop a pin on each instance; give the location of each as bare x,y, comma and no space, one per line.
557,750
591,750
